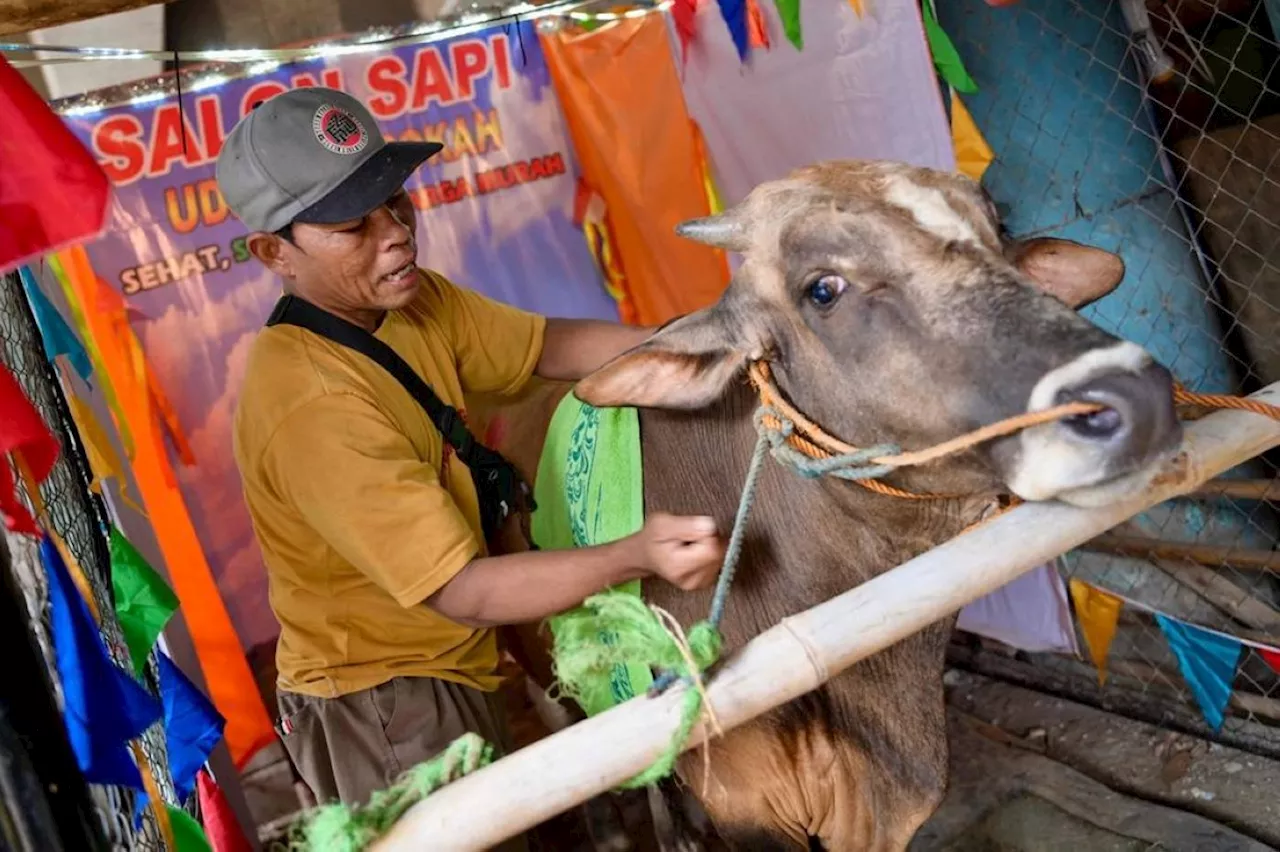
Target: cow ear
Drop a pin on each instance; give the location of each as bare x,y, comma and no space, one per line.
685,365
1074,273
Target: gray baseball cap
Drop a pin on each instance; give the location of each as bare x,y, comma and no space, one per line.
312,155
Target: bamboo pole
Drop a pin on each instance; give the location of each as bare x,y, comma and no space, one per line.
1241,489
1210,555
803,652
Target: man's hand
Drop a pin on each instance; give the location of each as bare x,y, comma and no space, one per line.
519,588
684,551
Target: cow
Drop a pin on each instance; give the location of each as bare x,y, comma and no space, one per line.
892,308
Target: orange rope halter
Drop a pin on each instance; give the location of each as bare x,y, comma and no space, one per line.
812,440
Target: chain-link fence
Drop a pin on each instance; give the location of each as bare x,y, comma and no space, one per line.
79,517
1153,129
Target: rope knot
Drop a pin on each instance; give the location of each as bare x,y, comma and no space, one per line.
705,644
778,430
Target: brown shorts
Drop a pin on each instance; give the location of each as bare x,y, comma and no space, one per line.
349,747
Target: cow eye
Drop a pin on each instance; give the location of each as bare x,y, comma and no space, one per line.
824,291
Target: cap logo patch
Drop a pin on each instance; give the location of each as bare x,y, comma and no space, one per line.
338,130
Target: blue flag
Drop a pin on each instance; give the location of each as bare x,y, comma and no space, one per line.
192,726
58,337
734,13
1208,663
104,708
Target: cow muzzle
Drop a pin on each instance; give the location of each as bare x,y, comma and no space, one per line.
1098,458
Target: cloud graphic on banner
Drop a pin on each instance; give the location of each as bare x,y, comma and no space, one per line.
172,340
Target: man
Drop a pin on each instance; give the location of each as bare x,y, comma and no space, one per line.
369,523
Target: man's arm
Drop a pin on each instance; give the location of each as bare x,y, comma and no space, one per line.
360,484
524,587
574,349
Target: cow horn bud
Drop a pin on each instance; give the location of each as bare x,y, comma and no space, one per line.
721,231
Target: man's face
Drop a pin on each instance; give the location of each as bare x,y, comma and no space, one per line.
359,266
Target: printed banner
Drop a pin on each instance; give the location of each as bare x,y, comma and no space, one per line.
495,214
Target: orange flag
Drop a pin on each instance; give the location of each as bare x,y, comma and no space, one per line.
1098,613
757,35
620,92
973,154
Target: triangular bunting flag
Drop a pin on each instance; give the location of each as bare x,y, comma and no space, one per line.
52,190
220,823
58,337
1208,663
104,708
22,431
192,726
757,33
1271,656
144,602
789,12
945,56
973,154
188,836
684,14
734,13
104,462
1098,614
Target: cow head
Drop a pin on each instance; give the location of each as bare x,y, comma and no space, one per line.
893,310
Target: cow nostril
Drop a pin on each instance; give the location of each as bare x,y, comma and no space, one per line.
1096,425
1110,423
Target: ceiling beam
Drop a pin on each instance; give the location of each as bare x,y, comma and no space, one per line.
20,16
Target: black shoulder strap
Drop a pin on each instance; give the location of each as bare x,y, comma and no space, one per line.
291,310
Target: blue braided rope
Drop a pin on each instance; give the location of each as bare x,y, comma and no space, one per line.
850,466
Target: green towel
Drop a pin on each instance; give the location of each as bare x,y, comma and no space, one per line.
590,490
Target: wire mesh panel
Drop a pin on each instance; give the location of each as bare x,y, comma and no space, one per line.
78,516
1153,129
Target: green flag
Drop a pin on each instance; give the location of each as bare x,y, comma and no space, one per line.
188,835
144,603
789,12
945,56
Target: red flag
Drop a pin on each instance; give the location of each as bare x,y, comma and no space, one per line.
684,14
220,824
52,191
1272,657
21,431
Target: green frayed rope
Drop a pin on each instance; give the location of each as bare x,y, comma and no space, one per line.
351,828
636,633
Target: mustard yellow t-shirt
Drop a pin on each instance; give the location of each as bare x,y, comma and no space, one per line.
361,511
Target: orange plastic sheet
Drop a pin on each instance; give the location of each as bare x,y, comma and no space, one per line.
226,672
622,100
